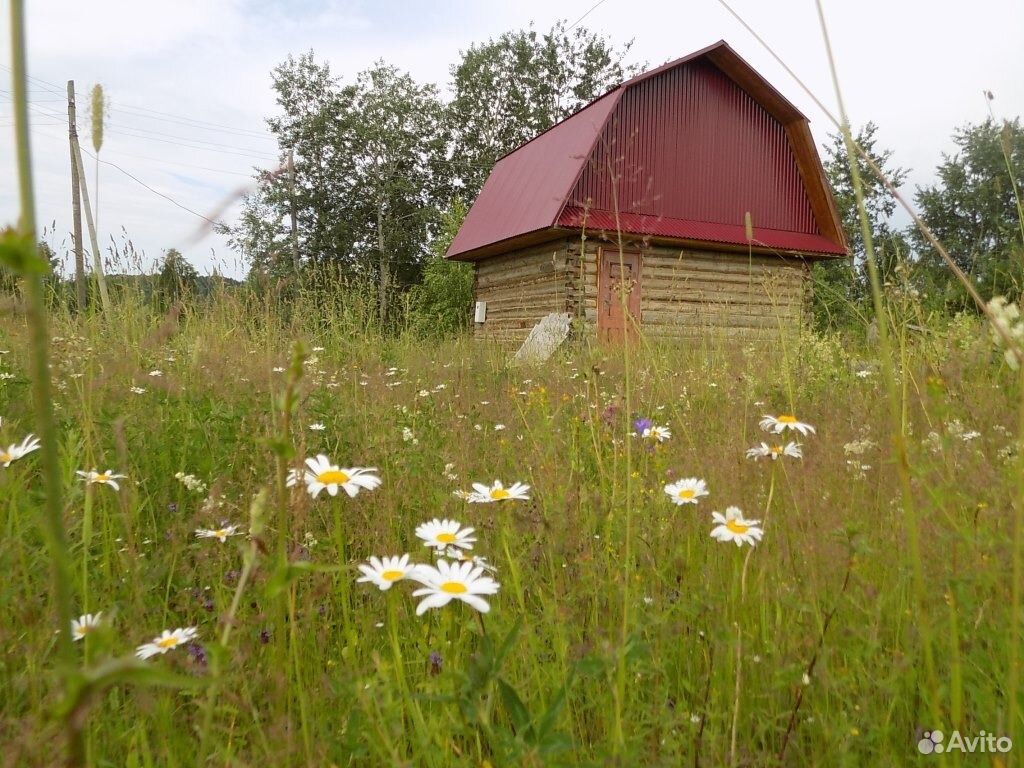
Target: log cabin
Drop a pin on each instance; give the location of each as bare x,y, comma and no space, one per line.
689,199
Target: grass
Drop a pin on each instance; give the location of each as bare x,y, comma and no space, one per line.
303,666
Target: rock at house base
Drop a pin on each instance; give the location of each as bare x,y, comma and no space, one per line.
544,339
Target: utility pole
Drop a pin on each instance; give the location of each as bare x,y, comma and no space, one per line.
295,226
76,201
97,265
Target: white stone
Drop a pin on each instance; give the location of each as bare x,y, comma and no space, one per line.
544,339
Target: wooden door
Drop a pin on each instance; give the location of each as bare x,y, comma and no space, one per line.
618,293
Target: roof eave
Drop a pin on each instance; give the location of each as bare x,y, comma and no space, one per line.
510,244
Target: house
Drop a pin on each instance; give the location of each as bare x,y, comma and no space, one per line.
686,199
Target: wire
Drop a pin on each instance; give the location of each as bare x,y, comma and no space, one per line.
593,8
49,87
139,181
250,155
175,162
45,84
121,126
203,125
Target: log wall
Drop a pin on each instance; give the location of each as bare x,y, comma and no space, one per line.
520,288
683,292
688,293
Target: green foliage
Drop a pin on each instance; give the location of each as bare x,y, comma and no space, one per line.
974,211
841,286
369,175
440,304
176,280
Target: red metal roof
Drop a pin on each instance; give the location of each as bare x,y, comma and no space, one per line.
733,234
683,151
527,188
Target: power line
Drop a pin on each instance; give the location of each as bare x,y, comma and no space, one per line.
189,121
49,87
45,85
174,162
593,8
189,139
250,155
139,181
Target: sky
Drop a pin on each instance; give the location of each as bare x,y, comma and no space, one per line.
189,88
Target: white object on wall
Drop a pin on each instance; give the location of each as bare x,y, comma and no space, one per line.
544,339
481,312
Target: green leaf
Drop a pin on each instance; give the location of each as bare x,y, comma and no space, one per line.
517,711
127,670
547,722
20,254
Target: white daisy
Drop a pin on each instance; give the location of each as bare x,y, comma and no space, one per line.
686,491
92,477
317,427
383,572
460,556
732,527
439,534
764,451
16,451
658,434
464,495
453,581
779,424
156,374
84,624
221,534
167,641
498,492
321,474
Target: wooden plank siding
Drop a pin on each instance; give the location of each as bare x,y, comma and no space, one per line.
520,288
687,293
684,292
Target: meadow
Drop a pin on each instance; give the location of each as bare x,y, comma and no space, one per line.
879,604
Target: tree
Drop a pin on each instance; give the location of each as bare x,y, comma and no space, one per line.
842,284
370,175
974,211
440,304
177,279
510,89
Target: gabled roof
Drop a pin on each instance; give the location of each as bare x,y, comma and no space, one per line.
720,140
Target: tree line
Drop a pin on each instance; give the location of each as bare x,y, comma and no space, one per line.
385,169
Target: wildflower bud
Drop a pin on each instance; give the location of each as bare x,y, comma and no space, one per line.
257,513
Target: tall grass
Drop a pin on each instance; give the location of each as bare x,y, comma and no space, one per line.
829,590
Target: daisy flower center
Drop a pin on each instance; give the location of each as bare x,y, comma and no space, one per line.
687,493
499,493
446,538
737,527
784,419
453,587
777,449
102,478
5,456
83,630
167,642
391,575
332,477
